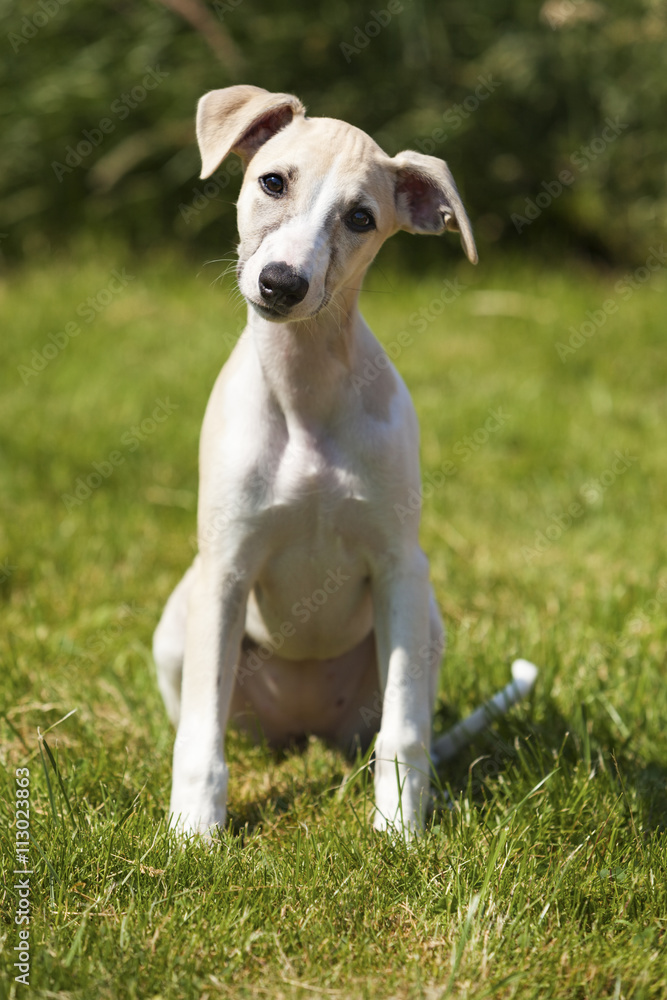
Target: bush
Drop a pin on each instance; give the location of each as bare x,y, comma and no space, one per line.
550,118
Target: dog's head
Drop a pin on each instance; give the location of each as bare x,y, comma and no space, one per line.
319,197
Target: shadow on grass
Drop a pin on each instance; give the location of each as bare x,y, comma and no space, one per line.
529,749
497,751
269,783
649,781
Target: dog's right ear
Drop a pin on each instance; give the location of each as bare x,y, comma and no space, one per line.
240,120
427,200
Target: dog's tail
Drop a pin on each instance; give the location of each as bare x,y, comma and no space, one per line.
447,746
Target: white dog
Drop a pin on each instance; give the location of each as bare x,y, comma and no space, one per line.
309,601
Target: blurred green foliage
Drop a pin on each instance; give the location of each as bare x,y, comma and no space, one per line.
512,93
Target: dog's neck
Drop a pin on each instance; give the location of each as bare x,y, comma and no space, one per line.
308,364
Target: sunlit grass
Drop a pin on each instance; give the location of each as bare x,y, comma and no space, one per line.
543,873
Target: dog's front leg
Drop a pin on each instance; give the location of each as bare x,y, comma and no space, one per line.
401,609
216,619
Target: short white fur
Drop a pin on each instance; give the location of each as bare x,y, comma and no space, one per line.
300,472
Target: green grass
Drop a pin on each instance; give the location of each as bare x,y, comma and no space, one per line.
548,877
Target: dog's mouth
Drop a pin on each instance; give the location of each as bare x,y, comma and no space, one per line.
280,313
276,313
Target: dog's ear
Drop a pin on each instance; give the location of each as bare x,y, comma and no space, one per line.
239,120
427,200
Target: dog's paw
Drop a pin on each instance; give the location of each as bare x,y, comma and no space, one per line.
199,801
398,814
191,820
407,828
191,825
401,797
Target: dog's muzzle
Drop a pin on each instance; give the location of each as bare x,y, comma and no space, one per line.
281,287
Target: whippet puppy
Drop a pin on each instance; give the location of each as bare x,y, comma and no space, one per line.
308,609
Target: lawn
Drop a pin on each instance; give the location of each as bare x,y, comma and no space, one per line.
543,872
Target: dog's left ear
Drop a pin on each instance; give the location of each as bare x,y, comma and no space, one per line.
239,120
427,200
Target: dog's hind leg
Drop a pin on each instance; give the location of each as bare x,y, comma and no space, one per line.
169,645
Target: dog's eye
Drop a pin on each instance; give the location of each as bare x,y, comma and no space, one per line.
360,220
272,183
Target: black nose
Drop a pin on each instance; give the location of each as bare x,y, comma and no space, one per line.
281,285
